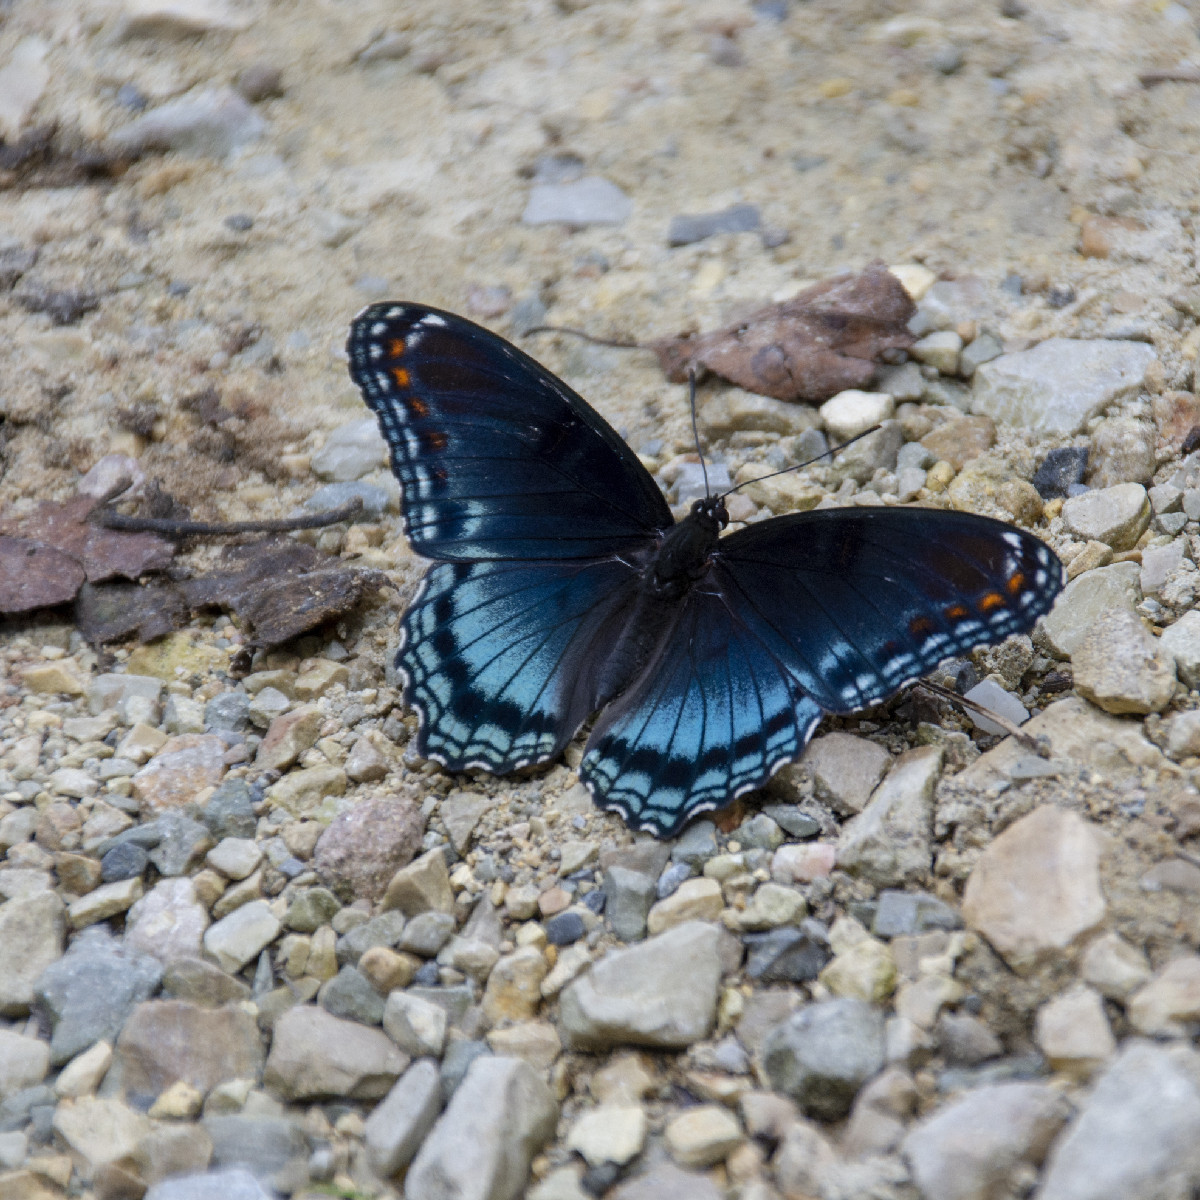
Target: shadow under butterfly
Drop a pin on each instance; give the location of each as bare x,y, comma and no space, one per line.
561,587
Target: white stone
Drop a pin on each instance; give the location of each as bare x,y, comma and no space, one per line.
940,349
852,412
85,1072
395,1129
1058,385
1073,1032
990,695
1116,516
24,1061
235,858
234,940
1113,967
612,1133
417,1026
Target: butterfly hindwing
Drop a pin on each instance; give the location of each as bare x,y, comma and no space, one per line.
859,601
498,459
495,656
711,717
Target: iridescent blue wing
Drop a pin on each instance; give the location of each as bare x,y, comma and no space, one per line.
498,659
823,611
498,459
711,717
857,602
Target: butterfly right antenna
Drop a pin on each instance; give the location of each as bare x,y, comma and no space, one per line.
808,463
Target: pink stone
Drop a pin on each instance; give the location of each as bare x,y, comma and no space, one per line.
185,765
803,862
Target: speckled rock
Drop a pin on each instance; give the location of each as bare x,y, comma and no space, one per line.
1035,891
845,769
498,1119
1117,515
364,846
168,922
1122,668
1182,641
661,992
890,841
972,1146
1085,599
1137,1135
314,1054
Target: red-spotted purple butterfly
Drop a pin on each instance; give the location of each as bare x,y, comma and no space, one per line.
561,587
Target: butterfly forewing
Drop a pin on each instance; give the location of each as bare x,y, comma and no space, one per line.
857,602
498,459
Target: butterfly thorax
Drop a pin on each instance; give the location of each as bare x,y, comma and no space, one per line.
685,549
681,558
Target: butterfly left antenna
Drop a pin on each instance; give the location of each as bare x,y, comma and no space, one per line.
800,466
696,429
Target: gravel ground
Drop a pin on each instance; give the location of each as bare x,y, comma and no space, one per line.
249,945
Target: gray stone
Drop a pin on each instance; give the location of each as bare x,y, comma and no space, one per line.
351,451
890,841
965,1040
1056,387
315,1054
869,454
670,881
737,218
498,1119
376,500
181,714
210,121
969,1149
666,1181
460,813
202,982
311,909
229,711
1160,564
696,844
1084,599
788,955
1137,1135
845,769
400,1121
266,1146
1122,668
180,842
422,886
229,811
460,1054
237,1184
984,348
88,993
425,934
1182,641
1116,516
822,1055
349,995
591,200
990,695
127,861
383,930
31,939
133,697
904,913
415,1024
661,992
629,897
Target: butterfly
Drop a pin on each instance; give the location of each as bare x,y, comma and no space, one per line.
561,586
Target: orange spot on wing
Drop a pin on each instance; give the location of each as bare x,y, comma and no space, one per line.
435,440
992,600
396,347
400,375
956,612
1016,583
920,625
418,407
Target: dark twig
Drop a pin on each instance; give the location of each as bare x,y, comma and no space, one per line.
1178,75
1026,739
587,337
173,528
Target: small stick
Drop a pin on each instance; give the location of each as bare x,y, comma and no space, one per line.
587,337
1178,75
1026,739
173,528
